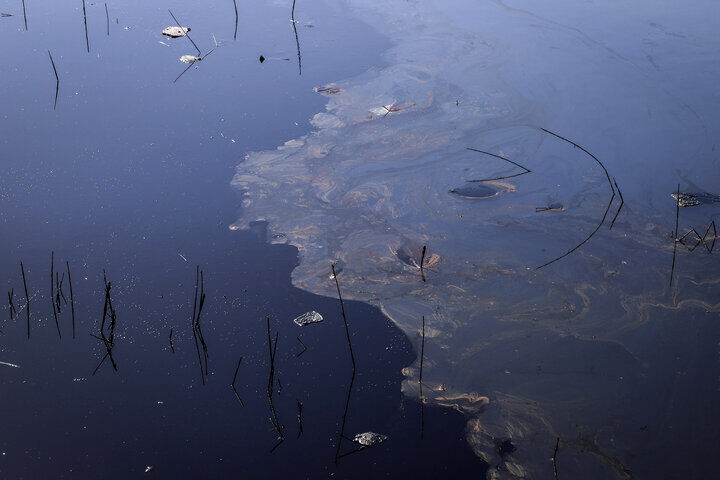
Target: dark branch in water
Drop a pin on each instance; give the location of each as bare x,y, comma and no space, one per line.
299,416
675,233
304,347
607,209
57,80
172,347
591,155
24,15
297,40
186,34
554,457
27,299
622,202
11,305
87,40
237,395
196,329
236,19
52,291
422,262
72,300
602,221
108,340
272,351
422,398
107,19
527,170
352,377
701,239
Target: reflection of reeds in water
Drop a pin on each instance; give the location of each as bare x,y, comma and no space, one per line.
422,262
109,339
341,436
554,457
237,395
299,416
170,339
57,79
11,304
304,347
27,299
526,170
72,299
675,233
236,19
272,351
607,209
87,40
52,291
196,328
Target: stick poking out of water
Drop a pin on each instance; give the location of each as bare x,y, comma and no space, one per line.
554,457
186,34
527,170
72,300
87,40
107,19
52,291
27,299
675,233
24,15
172,347
237,395
57,79
236,19
422,262
352,377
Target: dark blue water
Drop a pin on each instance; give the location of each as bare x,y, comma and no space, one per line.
129,174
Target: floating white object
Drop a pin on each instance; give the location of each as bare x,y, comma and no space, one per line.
175,32
18,366
308,318
190,59
369,439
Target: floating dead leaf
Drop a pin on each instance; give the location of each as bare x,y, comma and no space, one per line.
190,59
175,32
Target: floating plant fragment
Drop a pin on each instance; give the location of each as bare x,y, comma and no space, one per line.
328,90
369,439
175,32
10,364
308,318
190,59
694,199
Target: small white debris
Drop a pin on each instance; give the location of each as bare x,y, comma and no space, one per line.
79,379
182,256
175,32
149,469
308,318
190,59
369,439
18,366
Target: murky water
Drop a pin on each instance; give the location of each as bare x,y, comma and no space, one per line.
129,174
557,304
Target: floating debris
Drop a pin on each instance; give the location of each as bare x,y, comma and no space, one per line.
9,364
6,15
552,207
149,469
175,32
308,318
79,379
413,255
481,189
329,90
369,439
190,59
262,59
694,199
385,110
